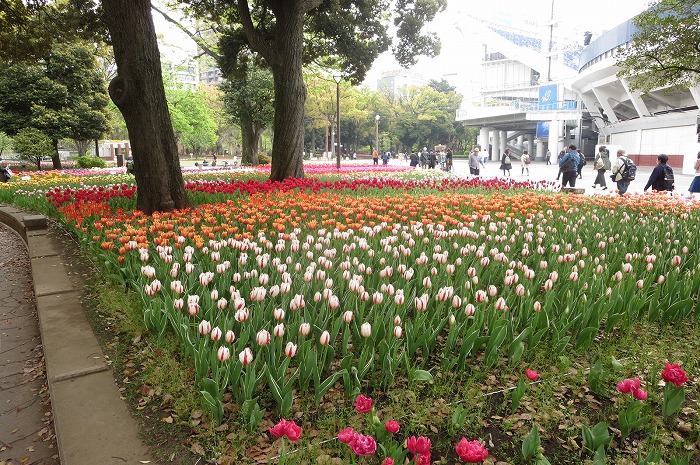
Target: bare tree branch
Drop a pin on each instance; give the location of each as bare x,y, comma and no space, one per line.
197,40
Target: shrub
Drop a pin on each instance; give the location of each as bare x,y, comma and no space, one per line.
90,162
264,158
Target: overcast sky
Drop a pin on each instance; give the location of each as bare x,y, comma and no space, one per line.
462,47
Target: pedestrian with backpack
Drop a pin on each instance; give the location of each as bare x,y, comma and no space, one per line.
695,185
661,177
623,172
568,167
601,164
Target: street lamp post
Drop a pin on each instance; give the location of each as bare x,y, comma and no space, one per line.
376,132
337,78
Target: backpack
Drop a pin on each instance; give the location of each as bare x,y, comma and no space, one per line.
568,166
669,180
629,170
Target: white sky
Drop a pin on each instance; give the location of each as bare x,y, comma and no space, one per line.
462,49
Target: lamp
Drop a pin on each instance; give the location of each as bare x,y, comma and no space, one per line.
376,131
337,78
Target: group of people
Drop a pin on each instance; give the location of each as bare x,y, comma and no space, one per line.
429,158
476,162
622,171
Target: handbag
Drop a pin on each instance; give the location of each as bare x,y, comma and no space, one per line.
598,164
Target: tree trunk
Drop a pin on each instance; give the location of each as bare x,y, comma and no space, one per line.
82,146
55,158
290,94
138,92
250,138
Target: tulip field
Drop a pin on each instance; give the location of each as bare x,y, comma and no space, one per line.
355,288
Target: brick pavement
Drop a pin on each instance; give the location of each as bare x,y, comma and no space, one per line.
26,422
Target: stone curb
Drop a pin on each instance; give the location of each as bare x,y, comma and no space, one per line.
92,423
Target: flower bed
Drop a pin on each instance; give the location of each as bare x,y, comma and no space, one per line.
310,287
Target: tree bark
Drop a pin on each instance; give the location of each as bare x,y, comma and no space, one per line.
290,94
55,158
138,92
250,139
82,146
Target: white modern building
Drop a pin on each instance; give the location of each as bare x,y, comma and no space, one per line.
644,124
540,98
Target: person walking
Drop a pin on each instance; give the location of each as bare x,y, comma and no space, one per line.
618,172
475,161
601,165
582,157
385,158
661,177
375,156
506,164
525,163
559,157
568,166
432,159
695,184
548,157
414,158
448,160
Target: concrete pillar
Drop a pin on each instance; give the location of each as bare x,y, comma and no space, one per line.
111,151
531,144
496,145
504,143
555,145
521,139
484,139
539,155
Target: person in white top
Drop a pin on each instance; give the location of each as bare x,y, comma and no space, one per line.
525,163
617,169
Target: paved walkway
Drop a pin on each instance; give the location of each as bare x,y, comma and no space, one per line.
92,423
26,419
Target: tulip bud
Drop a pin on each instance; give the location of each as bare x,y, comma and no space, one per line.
290,349
398,331
325,338
204,327
397,320
230,336
661,279
537,306
348,316
451,319
216,334
246,356
223,353
366,329
263,337
469,310
278,330
305,329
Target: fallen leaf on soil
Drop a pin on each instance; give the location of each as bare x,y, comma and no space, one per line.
197,449
167,419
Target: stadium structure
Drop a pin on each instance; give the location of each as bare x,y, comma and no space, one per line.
543,91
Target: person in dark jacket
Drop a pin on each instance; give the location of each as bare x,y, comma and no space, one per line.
657,179
568,165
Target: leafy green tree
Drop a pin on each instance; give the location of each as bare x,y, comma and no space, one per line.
193,121
664,50
248,99
32,145
289,33
5,142
425,116
85,111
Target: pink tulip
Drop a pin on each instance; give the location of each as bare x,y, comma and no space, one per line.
532,375
471,451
